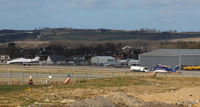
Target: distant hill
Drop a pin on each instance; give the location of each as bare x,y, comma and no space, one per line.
49,34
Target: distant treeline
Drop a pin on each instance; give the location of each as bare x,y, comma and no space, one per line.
57,49
69,49
91,34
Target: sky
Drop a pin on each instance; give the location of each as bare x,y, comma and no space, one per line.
180,15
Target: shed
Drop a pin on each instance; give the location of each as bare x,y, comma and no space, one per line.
171,57
102,60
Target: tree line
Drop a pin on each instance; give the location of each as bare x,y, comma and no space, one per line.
94,49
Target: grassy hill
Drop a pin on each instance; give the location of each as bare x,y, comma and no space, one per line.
49,34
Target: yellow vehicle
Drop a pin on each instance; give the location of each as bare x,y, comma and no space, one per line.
191,68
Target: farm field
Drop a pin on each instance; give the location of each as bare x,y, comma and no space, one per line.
196,39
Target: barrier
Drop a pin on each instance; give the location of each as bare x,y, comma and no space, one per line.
67,80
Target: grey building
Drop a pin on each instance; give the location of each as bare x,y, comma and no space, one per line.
172,57
102,60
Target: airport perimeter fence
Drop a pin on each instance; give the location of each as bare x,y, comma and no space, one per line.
22,78
21,75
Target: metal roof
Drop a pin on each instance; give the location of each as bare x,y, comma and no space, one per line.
172,52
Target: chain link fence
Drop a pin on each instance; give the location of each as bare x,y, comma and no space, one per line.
20,75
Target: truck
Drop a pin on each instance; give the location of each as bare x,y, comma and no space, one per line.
138,68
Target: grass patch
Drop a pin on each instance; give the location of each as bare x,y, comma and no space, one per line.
16,88
108,82
12,88
27,102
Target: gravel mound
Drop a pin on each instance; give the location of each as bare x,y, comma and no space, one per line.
99,101
117,99
123,99
159,104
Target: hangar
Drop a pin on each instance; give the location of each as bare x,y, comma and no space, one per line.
172,57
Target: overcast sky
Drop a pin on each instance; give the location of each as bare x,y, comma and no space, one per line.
182,15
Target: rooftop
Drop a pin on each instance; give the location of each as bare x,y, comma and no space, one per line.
172,52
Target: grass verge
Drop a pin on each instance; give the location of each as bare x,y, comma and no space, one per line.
108,82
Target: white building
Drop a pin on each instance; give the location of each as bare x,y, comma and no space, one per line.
4,59
102,60
49,60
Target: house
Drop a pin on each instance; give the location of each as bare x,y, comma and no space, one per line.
125,48
4,59
54,59
129,52
49,61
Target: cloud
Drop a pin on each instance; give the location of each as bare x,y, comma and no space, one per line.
163,3
88,3
26,4
67,3
6,5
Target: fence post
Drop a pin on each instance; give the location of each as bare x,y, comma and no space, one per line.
22,77
37,77
100,73
8,75
74,78
86,75
192,73
11,78
17,75
182,74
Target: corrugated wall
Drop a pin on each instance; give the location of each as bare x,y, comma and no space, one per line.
151,61
190,60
